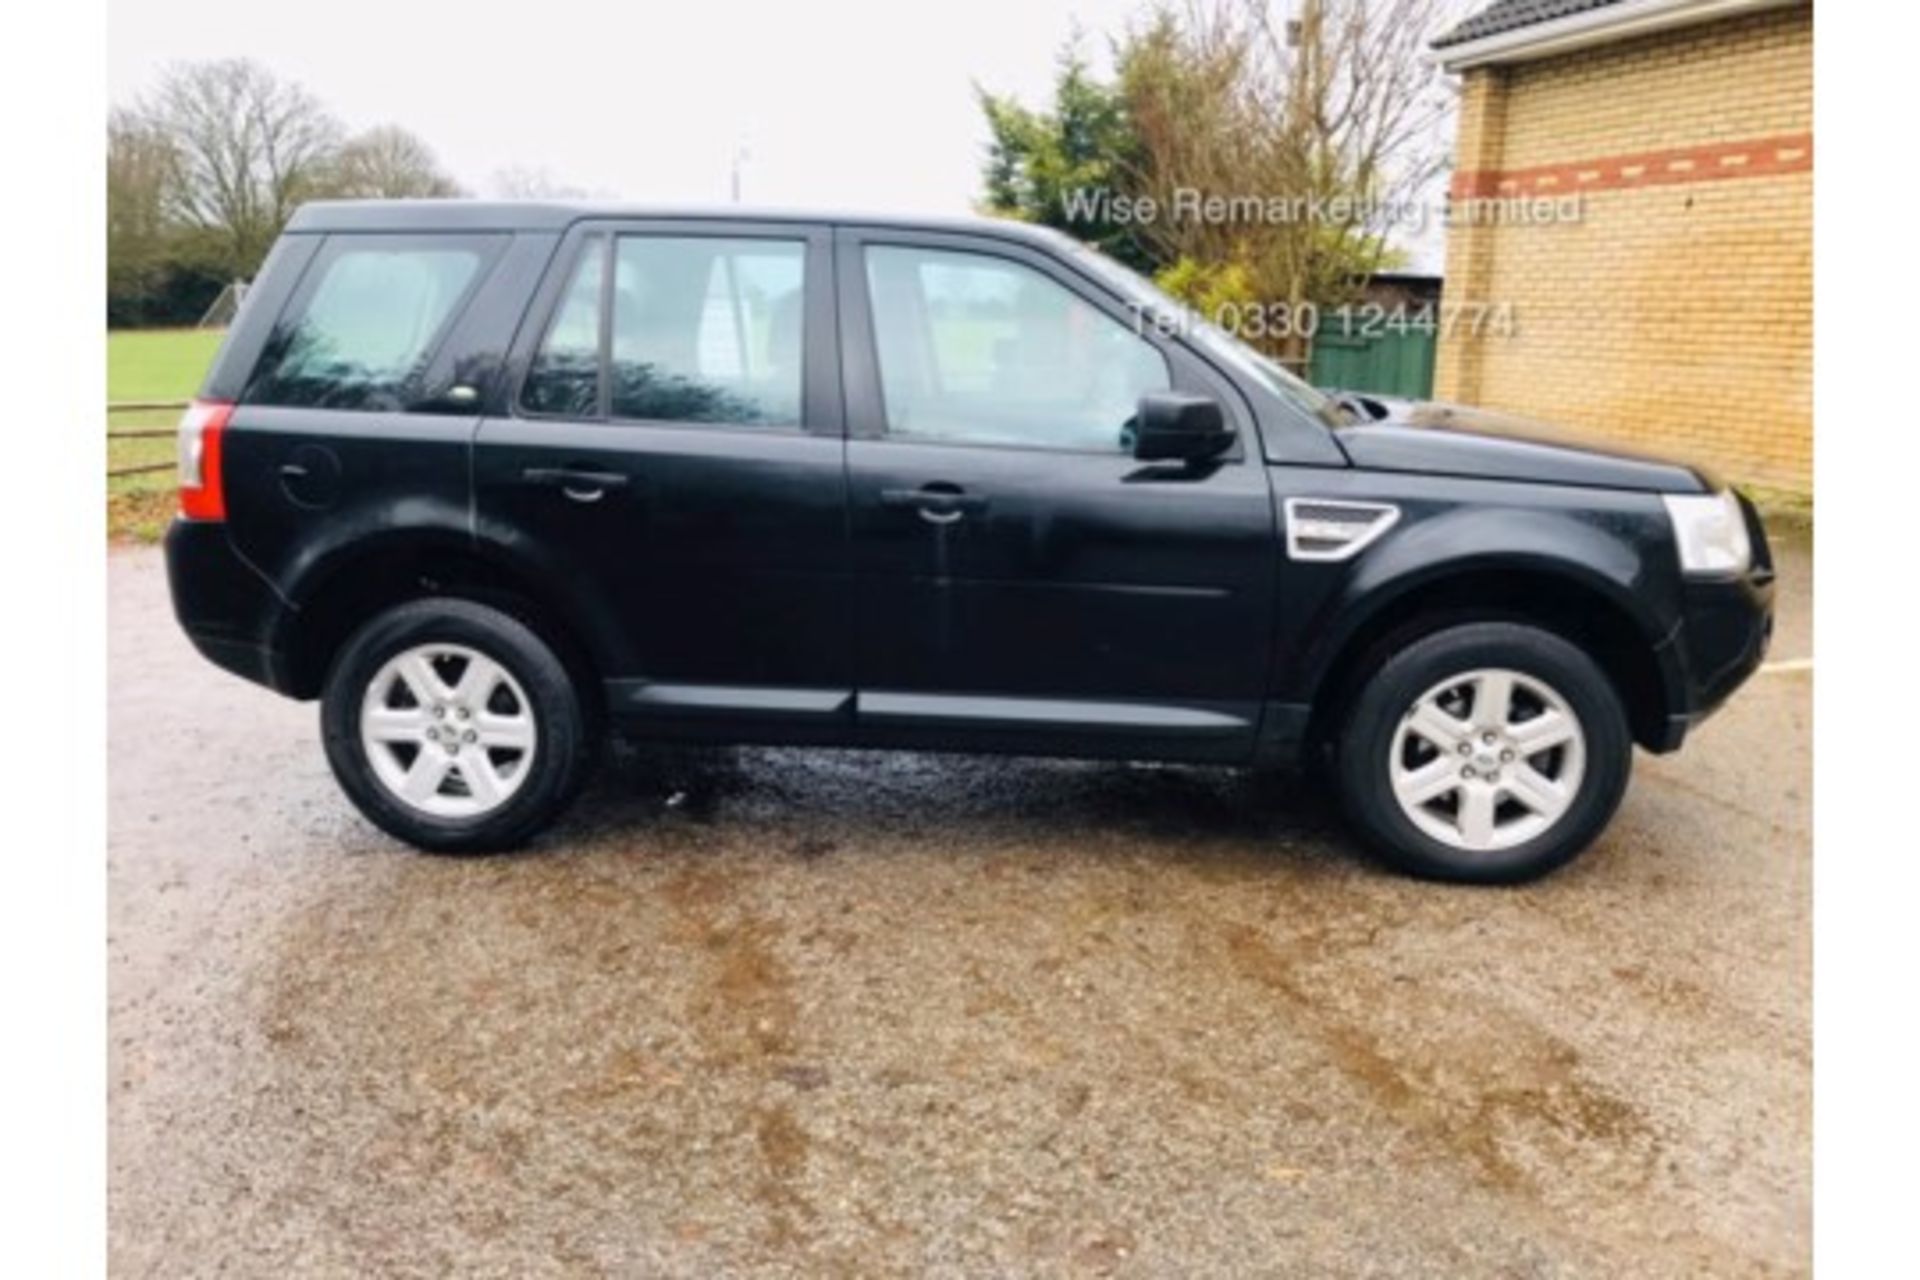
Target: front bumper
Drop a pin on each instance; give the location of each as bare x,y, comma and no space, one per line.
224,605
1725,629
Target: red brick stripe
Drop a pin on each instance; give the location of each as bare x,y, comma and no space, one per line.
1715,162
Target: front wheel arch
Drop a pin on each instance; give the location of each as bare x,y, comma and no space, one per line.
1554,602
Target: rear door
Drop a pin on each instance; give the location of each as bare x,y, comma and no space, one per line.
673,453
1021,581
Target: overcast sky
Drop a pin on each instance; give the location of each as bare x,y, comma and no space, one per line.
842,104
837,103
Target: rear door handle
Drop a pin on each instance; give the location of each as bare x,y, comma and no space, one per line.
936,503
579,485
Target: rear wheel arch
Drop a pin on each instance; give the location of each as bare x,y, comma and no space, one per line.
1555,600
357,586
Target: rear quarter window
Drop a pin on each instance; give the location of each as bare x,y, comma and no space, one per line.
367,318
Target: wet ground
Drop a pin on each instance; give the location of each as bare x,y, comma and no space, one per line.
792,1012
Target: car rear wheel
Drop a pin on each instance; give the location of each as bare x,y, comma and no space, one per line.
1491,752
454,726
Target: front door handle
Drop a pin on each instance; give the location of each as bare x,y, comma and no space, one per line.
937,503
578,484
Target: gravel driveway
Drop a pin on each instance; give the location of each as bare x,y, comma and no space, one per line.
797,1012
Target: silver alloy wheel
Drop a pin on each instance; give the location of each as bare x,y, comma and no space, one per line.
1487,759
447,730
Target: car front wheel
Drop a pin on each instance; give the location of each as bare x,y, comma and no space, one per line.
1491,752
454,726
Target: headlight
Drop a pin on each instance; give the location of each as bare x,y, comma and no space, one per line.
1711,532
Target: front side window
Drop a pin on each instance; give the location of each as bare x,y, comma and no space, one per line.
704,329
361,334
979,349
1153,303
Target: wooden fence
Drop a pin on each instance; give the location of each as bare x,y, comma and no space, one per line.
141,433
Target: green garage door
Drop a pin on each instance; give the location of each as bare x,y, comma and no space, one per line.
1359,356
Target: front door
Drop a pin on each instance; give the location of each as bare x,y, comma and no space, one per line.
1021,581
674,457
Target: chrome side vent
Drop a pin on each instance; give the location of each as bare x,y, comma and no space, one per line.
1328,529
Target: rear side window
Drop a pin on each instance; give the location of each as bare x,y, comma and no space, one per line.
703,329
367,319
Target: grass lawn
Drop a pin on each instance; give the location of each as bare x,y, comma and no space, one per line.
149,364
158,364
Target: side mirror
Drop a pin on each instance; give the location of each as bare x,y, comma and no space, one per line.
1173,426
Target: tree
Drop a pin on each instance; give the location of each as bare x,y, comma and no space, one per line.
204,172
1312,138
387,163
139,160
521,182
1063,168
247,148
1260,166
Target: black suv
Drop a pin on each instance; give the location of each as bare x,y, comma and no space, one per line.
487,479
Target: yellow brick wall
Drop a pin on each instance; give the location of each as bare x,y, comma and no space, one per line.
1470,249
1677,316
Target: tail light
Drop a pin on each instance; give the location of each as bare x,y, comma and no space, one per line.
202,496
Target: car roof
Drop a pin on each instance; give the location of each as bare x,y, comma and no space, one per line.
552,215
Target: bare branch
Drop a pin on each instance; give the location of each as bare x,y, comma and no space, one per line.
247,148
388,163
1331,118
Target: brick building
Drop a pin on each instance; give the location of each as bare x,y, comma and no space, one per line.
1634,179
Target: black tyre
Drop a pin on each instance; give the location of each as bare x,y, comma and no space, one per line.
1491,752
455,727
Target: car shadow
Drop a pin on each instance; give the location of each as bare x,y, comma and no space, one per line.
820,799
